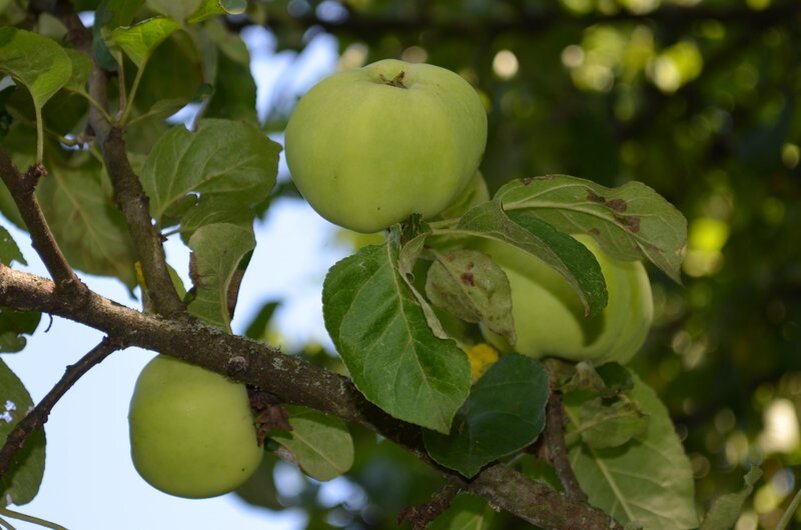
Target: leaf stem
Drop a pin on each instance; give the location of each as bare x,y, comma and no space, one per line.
131,95
39,134
788,514
30,519
5,524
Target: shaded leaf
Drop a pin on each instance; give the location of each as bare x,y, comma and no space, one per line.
382,334
179,10
81,68
470,286
726,509
649,480
217,251
629,222
603,425
140,40
320,444
466,512
260,489
13,324
20,484
567,256
504,413
86,223
222,160
257,329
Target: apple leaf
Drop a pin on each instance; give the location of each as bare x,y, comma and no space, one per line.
471,287
86,223
140,40
407,258
504,413
382,335
13,324
629,222
37,62
179,10
605,425
9,251
221,160
81,68
321,444
217,252
648,480
566,255
211,8
20,484
726,509
260,489
466,512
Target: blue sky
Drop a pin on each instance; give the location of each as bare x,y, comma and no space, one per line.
89,482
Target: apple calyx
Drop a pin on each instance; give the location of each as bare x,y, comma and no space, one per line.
396,81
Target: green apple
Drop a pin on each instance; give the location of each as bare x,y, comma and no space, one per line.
474,194
549,317
368,147
191,430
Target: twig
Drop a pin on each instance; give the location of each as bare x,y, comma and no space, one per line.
30,519
789,513
36,418
22,188
554,437
293,381
421,516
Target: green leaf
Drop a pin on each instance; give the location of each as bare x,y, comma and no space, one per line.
726,509
260,489
604,425
320,444
211,8
114,13
257,329
9,251
629,222
179,10
222,160
648,480
13,324
140,40
382,334
87,225
566,255
20,484
217,251
81,68
470,286
37,62
466,512
504,413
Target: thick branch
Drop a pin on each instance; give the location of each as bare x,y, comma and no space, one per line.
36,418
22,187
293,381
555,439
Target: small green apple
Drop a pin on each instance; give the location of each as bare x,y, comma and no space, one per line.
549,317
191,430
368,147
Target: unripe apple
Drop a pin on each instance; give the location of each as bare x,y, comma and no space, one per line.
549,317
191,430
368,147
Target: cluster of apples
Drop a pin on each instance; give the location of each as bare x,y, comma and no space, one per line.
368,148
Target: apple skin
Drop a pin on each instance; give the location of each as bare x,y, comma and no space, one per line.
191,430
549,317
369,147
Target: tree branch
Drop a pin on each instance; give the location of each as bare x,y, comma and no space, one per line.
555,440
23,188
36,418
294,381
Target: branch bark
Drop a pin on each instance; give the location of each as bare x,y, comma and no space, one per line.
36,418
23,187
294,381
555,439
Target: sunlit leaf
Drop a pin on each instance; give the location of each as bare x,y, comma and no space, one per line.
140,40
35,61
649,480
210,8
20,484
630,222
178,10
217,250
221,160
320,444
504,413
382,334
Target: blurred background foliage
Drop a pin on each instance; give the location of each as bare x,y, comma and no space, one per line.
696,98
